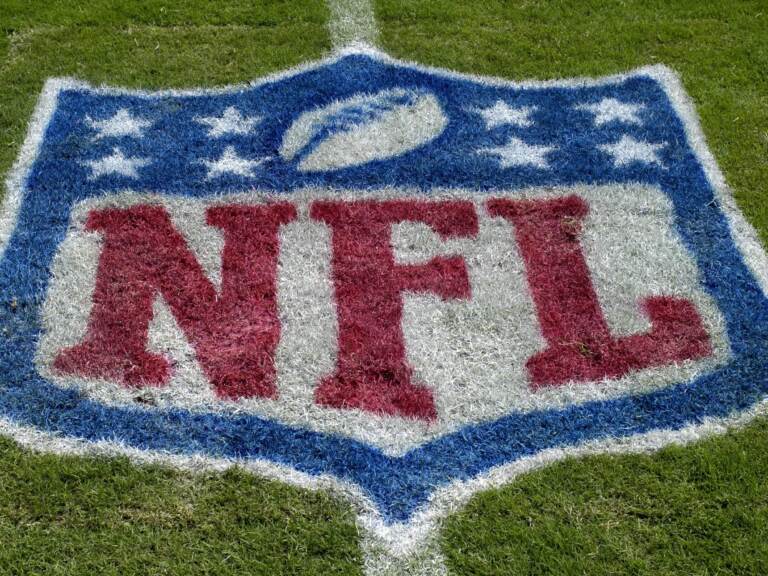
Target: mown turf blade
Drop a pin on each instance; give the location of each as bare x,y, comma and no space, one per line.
61,515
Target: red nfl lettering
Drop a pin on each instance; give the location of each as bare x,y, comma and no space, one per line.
580,345
372,371
234,334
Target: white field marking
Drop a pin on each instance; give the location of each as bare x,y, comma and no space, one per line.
231,121
123,123
352,22
402,538
516,152
502,114
627,150
231,163
470,353
426,559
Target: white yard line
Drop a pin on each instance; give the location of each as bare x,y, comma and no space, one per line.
352,22
425,559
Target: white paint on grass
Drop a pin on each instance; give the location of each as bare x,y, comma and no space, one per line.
230,162
517,152
470,353
352,22
363,128
612,110
116,163
627,150
502,114
123,123
231,121
378,559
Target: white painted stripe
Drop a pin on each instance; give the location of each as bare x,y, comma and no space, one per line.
16,178
744,235
379,560
352,22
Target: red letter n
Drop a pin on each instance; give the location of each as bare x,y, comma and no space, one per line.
580,345
234,333
372,371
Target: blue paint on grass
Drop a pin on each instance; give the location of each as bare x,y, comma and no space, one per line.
398,485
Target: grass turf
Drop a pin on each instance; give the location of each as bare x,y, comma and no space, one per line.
696,510
63,516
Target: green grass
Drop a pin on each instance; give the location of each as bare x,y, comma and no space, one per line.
62,516
699,510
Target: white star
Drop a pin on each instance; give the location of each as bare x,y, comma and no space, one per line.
231,163
121,124
502,113
230,122
517,153
628,150
116,163
612,110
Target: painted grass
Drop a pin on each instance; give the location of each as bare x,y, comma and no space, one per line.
699,510
148,44
718,46
72,516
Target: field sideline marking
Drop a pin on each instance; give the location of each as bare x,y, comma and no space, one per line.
352,22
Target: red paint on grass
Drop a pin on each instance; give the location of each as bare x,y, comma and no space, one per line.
580,345
372,371
234,333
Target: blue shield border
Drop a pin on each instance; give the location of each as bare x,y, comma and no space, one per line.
394,490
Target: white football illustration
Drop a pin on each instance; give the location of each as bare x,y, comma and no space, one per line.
363,128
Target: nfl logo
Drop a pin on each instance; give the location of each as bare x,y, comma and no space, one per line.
401,283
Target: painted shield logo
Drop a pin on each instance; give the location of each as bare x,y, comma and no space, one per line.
402,283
